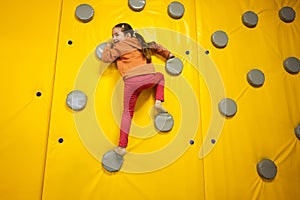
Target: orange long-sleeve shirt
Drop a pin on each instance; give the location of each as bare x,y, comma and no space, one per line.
130,60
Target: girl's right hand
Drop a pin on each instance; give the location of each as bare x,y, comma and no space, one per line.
171,56
110,44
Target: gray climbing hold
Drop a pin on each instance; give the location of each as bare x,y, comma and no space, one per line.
219,39
136,5
256,78
266,169
250,19
297,131
84,13
76,100
175,10
292,65
112,162
164,122
227,107
99,50
287,14
174,66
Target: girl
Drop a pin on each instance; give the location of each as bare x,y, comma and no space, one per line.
133,58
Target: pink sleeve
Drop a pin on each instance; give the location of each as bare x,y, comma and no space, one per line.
159,49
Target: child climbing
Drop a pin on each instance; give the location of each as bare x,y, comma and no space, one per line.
133,58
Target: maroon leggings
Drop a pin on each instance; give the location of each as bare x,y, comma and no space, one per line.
132,89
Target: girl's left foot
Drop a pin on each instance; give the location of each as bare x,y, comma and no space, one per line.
159,107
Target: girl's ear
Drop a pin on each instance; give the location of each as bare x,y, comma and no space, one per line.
128,35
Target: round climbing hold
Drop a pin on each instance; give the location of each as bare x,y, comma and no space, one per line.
187,52
192,142
287,14
213,141
297,131
219,39
292,65
84,13
250,19
136,5
99,50
206,52
175,10
174,66
60,140
111,161
267,169
70,42
227,107
256,78
76,100
164,122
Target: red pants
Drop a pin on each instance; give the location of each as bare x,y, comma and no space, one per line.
132,89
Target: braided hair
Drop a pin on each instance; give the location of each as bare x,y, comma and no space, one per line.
126,28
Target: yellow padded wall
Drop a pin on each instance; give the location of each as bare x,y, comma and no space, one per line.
46,49
263,126
29,31
73,169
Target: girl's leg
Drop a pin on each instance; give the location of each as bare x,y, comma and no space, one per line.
159,93
129,101
132,89
160,86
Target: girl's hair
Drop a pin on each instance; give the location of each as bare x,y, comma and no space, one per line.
126,28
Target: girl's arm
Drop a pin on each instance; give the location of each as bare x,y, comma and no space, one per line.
159,49
110,54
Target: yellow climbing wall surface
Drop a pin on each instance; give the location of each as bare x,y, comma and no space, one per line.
50,152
